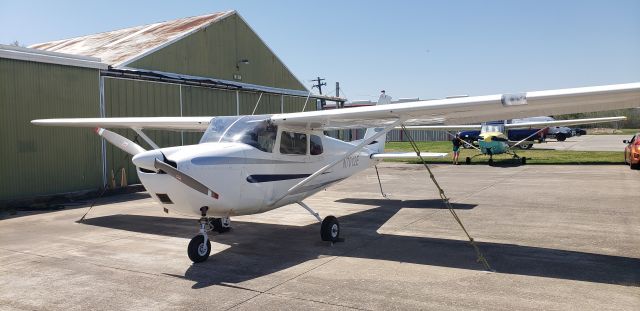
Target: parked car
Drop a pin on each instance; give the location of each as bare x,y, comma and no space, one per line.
560,133
579,132
632,151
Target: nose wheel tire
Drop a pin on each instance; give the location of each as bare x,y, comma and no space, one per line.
523,160
467,160
198,251
330,230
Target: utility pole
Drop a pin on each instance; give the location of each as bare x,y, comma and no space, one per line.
319,86
340,104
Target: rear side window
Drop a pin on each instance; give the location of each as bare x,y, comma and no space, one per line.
315,145
293,143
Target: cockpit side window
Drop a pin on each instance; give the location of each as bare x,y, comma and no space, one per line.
293,143
315,143
262,137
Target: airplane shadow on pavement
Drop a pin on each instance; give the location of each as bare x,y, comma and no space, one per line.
259,249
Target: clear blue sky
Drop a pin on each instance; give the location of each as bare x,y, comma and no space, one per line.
426,49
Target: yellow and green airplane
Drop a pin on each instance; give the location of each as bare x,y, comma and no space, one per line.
494,140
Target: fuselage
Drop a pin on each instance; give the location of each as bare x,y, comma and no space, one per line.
492,139
249,177
493,143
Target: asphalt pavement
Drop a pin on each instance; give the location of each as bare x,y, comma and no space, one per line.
557,237
587,143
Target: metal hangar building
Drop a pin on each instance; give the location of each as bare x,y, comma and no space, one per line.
213,64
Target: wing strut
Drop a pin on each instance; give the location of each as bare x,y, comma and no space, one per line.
355,149
445,199
146,138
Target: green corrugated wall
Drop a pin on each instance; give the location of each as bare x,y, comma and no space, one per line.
44,160
41,161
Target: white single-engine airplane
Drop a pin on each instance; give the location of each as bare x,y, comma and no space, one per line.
252,164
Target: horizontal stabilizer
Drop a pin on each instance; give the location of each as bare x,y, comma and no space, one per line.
407,155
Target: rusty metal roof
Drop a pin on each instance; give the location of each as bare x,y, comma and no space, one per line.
121,47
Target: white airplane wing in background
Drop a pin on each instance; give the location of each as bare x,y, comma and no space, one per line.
471,109
520,125
541,124
448,111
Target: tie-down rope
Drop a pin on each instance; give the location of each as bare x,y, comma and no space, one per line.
444,198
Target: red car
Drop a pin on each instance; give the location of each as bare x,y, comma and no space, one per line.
632,151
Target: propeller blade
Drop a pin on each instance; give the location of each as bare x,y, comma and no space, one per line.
120,141
185,179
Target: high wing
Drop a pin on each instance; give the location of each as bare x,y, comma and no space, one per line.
198,124
448,111
471,109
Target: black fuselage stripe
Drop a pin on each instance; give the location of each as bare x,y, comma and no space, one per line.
274,177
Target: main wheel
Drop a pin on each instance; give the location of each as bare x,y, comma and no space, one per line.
467,160
219,227
490,161
330,230
199,251
561,137
523,160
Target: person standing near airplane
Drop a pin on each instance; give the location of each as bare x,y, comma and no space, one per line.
456,148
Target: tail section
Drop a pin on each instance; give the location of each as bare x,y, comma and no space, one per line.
377,146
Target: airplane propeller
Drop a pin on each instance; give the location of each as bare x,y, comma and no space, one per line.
184,178
120,141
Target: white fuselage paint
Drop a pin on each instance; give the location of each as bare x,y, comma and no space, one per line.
249,180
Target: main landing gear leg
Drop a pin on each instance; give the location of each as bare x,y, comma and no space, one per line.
330,229
200,247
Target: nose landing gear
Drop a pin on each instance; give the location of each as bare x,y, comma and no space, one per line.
200,247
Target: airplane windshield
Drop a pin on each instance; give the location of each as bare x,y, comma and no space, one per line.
255,131
486,128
